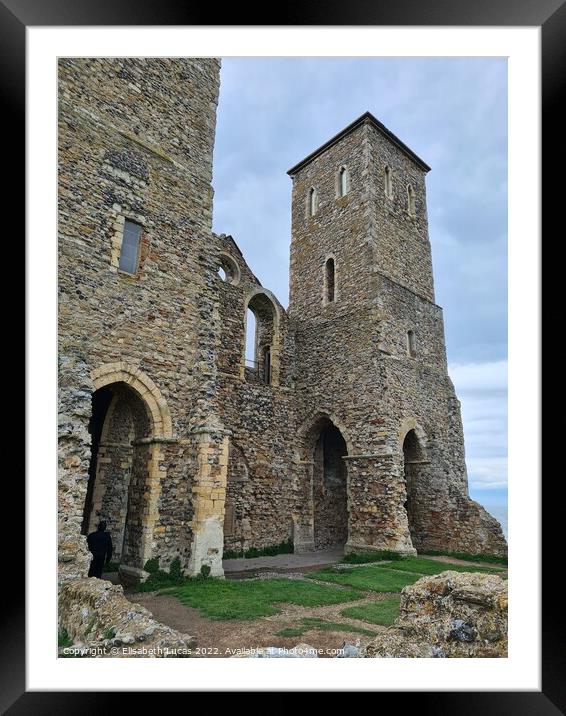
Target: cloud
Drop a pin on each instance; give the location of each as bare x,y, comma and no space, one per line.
474,377
482,389
487,473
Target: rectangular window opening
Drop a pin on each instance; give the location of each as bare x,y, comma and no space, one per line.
129,253
329,280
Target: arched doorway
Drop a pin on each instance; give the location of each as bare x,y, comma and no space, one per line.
414,459
329,487
119,474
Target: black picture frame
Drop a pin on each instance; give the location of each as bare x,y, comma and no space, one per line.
550,16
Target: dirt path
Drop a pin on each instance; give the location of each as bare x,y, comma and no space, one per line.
223,638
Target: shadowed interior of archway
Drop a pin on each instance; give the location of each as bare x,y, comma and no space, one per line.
118,471
413,456
330,488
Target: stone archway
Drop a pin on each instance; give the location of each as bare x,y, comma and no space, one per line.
324,448
129,420
146,389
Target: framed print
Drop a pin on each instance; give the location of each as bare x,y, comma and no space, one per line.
209,432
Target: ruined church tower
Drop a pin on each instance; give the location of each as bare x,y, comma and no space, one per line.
372,391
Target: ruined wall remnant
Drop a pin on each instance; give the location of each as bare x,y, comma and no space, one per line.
99,621
450,615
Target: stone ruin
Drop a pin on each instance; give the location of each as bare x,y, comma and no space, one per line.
343,428
450,615
100,622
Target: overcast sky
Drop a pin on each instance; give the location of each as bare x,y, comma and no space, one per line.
453,114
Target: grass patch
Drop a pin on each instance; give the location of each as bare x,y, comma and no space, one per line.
222,599
310,623
322,625
63,639
157,583
291,631
393,576
365,557
375,579
286,547
384,612
422,566
490,558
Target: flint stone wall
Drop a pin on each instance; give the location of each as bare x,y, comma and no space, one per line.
450,615
91,610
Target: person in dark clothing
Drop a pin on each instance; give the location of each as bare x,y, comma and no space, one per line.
100,544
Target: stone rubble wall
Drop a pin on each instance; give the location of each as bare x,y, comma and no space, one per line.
260,417
75,390
338,229
449,615
101,622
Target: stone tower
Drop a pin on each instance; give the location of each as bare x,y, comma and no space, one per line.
139,443
382,449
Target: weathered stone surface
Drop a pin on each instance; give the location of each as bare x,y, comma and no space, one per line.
449,615
101,622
